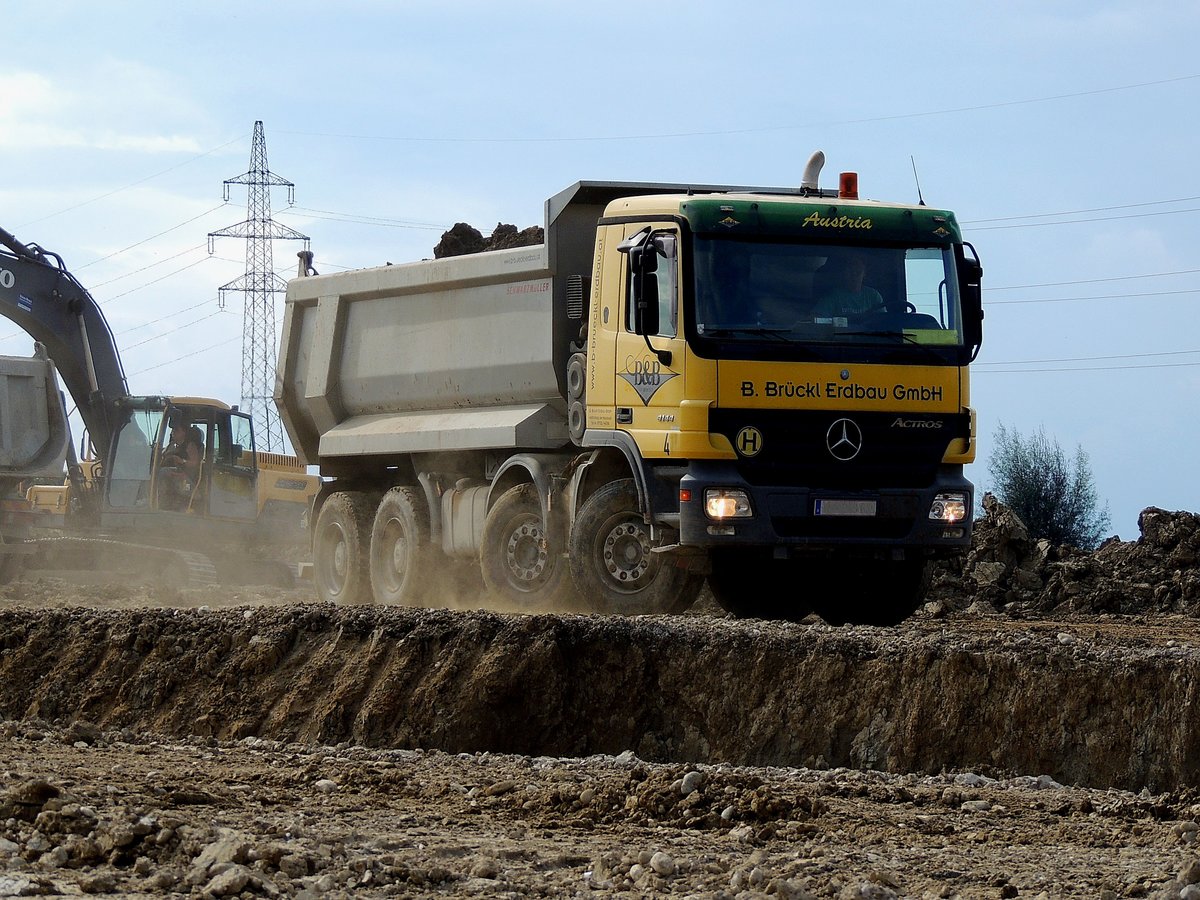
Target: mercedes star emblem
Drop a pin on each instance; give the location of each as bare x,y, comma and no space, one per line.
844,439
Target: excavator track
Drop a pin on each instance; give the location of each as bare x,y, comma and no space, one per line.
182,568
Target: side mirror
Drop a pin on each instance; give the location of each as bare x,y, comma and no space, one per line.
644,272
970,289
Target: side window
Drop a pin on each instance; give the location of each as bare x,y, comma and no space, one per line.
129,480
667,270
925,282
242,447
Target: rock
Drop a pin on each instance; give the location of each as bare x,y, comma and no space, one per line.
662,864
55,858
81,732
867,891
485,868
691,783
229,882
325,786
26,800
293,865
230,847
100,883
1190,872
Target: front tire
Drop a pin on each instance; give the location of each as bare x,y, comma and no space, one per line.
612,563
521,563
872,592
403,563
751,584
341,562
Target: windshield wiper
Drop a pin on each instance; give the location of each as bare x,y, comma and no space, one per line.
755,330
904,337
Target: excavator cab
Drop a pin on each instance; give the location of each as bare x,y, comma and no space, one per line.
187,456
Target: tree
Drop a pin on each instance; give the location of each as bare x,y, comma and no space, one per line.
1055,500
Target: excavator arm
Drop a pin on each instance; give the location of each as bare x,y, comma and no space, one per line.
43,298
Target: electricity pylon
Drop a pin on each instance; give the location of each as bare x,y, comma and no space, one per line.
260,284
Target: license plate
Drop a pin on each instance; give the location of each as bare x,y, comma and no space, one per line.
844,508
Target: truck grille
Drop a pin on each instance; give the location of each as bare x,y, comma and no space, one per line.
897,450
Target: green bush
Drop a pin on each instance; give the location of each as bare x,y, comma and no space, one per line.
1054,499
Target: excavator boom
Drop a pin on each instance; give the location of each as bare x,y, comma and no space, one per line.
47,302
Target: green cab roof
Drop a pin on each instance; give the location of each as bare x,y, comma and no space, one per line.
820,219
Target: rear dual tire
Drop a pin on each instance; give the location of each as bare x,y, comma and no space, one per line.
522,562
341,542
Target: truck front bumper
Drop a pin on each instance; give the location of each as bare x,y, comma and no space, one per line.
796,519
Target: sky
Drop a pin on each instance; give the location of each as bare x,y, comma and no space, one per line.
1064,135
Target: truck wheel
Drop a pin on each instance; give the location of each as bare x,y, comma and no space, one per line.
612,563
750,584
403,562
520,562
872,592
340,548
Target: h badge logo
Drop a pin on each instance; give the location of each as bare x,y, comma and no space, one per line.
749,441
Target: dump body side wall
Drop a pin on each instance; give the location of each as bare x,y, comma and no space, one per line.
395,349
33,424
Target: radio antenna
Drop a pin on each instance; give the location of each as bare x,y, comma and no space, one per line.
920,199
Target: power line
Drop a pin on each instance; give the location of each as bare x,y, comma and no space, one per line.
152,237
153,281
172,315
1045,284
149,266
739,131
1165,212
132,184
1024,362
1083,369
1096,297
171,362
1080,212
366,220
156,337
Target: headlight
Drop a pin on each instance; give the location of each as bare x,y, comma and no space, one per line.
950,507
725,503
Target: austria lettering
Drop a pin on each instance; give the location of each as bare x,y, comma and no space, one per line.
817,220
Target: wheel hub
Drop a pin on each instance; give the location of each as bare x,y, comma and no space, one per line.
626,553
398,543
526,553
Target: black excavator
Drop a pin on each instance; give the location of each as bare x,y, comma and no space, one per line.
125,494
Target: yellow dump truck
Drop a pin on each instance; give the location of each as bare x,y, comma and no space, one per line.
766,388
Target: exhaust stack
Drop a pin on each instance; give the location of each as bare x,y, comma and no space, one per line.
812,171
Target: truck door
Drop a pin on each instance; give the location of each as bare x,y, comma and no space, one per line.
234,493
651,354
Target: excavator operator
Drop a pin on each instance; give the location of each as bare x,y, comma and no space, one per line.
181,464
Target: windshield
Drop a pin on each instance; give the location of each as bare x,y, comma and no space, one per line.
824,294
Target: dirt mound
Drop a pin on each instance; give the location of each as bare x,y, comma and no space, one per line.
984,694
463,239
1007,570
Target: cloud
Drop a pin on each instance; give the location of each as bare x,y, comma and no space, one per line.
104,107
